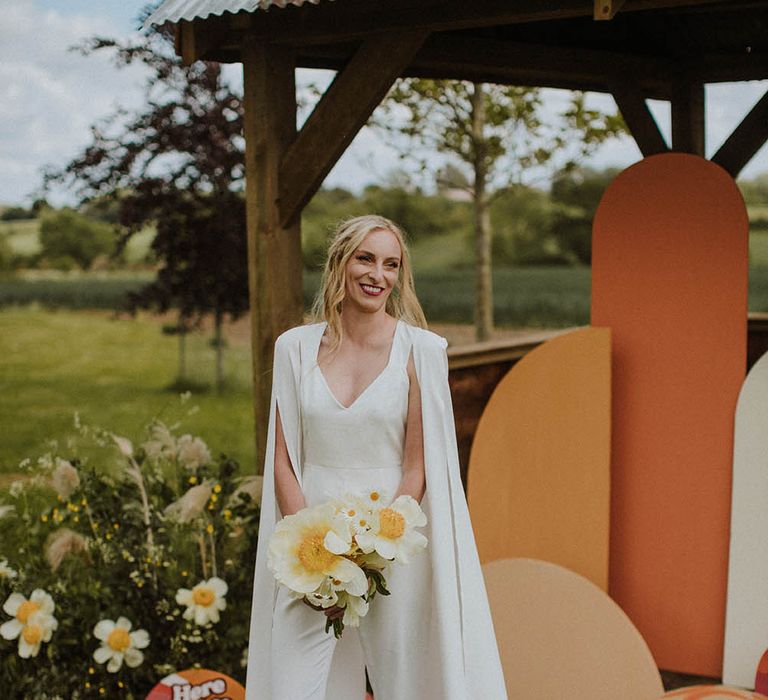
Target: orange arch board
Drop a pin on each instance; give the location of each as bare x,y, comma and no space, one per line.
539,482
669,277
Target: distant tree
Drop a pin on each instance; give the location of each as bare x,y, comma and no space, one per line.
575,195
7,257
497,136
16,214
178,162
68,237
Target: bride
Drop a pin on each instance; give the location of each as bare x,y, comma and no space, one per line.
360,401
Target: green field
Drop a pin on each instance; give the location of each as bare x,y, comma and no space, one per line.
115,373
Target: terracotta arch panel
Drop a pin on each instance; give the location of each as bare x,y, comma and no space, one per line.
538,483
669,277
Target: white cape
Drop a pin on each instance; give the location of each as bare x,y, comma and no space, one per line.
461,657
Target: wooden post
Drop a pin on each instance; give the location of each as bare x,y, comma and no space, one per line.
274,252
688,117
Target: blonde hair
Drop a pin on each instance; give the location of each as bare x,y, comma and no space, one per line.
402,302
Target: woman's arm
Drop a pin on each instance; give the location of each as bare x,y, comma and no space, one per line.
290,498
413,481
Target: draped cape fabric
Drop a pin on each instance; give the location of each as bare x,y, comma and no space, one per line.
459,651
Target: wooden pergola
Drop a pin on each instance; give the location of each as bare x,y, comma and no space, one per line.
633,49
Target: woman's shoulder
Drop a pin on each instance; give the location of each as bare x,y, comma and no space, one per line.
293,336
424,338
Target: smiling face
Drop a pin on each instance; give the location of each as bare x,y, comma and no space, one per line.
371,272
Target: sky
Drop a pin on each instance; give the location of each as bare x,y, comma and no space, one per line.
50,96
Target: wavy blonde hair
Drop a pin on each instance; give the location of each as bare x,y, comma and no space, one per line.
402,302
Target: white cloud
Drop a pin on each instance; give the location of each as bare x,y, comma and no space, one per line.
50,95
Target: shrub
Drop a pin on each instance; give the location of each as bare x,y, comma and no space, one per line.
161,534
67,235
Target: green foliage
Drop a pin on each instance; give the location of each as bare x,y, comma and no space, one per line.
69,239
122,531
16,214
7,257
421,216
575,195
521,219
78,292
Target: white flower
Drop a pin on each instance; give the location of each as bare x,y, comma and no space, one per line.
124,445
33,621
355,607
65,478
6,510
306,548
118,643
6,572
161,444
191,504
204,601
392,534
193,452
16,488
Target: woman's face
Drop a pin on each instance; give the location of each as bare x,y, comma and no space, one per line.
371,273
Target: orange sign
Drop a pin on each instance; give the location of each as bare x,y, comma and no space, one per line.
197,684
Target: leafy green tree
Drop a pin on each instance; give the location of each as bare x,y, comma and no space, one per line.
497,136
16,214
178,163
66,236
575,195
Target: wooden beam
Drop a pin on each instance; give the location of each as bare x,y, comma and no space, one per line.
639,119
274,251
331,22
747,138
606,9
688,116
342,111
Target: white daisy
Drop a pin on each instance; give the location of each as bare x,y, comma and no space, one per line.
204,601
118,643
392,532
33,621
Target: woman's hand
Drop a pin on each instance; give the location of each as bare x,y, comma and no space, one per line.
334,612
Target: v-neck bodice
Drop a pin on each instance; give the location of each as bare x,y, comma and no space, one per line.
367,434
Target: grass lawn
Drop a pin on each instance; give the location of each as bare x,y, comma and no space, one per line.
115,373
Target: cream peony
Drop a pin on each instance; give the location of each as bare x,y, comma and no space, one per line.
391,534
307,547
33,621
204,601
65,478
193,452
119,644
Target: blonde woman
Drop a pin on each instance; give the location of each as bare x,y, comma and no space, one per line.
360,400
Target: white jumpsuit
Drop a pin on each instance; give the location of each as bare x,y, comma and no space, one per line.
354,449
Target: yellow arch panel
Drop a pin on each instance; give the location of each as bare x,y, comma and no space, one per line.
539,483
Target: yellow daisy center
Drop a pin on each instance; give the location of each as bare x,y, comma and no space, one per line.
351,513
312,553
119,639
391,524
203,596
25,610
32,634
374,495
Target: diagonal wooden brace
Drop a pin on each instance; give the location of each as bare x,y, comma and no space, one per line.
341,112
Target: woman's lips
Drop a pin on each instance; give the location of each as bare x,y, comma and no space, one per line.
371,290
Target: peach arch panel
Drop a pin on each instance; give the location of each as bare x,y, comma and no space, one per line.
669,277
538,482
560,636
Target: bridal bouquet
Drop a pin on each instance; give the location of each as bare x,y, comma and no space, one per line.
336,553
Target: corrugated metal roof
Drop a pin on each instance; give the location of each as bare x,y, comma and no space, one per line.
175,10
